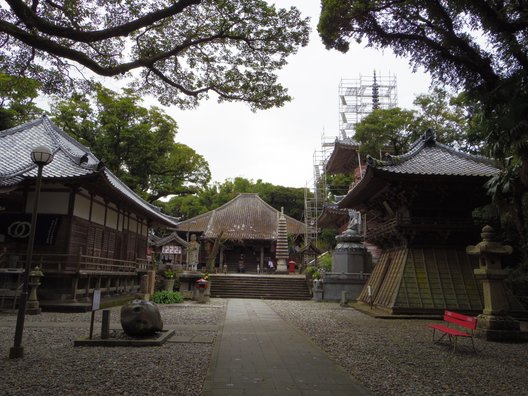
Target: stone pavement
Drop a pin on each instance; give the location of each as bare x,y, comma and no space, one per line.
258,353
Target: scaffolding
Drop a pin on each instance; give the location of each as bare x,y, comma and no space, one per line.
313,203
357,98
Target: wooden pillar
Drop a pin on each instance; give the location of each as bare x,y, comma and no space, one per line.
75,283
262,258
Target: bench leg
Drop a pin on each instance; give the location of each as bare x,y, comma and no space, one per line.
440,339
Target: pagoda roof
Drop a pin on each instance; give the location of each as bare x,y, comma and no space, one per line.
426,160
71,162
171,238
245,217
344,157
333,216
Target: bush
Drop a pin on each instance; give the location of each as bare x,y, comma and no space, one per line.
167,297
325,262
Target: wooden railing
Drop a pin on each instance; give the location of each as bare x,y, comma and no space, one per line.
400,221
68,263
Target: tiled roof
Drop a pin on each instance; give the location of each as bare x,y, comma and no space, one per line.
332,216
168,239
70,160
246,217
344,157
428,157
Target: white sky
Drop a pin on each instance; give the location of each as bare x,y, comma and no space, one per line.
277,145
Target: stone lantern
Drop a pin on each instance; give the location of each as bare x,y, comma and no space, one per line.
33,307
494,324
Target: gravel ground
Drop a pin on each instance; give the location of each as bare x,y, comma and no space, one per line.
397,357
52,366
389,357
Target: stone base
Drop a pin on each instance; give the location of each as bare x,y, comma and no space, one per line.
33,311
334,284
156,339
499,328
281,267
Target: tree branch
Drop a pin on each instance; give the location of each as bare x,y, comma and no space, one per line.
33,21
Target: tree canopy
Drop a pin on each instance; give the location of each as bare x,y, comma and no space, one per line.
17,95
217,194
134,142
386,129
177,50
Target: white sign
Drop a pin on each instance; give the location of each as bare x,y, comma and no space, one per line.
96,302
171,249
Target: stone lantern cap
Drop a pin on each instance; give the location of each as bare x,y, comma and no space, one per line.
488,244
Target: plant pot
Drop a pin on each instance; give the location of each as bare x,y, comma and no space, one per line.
168,284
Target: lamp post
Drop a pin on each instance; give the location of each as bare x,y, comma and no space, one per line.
41,156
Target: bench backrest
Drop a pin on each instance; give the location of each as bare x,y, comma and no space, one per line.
462,320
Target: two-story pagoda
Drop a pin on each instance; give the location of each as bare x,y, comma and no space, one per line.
418,209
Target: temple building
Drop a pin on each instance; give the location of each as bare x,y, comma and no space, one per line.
418,210
246,229
92,230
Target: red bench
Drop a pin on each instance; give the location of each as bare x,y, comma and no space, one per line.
467,322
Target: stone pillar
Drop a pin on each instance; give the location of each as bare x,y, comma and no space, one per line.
494,324
317,290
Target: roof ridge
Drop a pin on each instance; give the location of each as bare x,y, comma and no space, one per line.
428,139
58,135
15,129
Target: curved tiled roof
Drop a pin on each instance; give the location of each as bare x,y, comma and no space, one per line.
245,217
427,158
70,160
344,157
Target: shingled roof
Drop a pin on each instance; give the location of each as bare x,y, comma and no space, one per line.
427,159
71,160
246,217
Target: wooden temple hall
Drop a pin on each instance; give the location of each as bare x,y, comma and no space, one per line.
418,211
92,230
246,232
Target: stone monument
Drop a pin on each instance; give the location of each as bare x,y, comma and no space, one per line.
494,324
192,253
351,264
282,245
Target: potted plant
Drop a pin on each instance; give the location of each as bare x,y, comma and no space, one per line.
168,283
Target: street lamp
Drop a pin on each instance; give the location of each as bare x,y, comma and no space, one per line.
41,156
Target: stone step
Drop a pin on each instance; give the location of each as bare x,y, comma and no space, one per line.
264,286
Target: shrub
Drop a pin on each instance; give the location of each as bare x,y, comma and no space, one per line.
325,262
167,297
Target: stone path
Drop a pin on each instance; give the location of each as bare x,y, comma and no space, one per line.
258,353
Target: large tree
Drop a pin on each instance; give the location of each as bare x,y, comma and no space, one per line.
178,50
134,142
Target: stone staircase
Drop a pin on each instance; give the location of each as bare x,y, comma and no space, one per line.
273,287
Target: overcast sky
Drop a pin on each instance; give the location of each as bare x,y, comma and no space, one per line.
278,145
